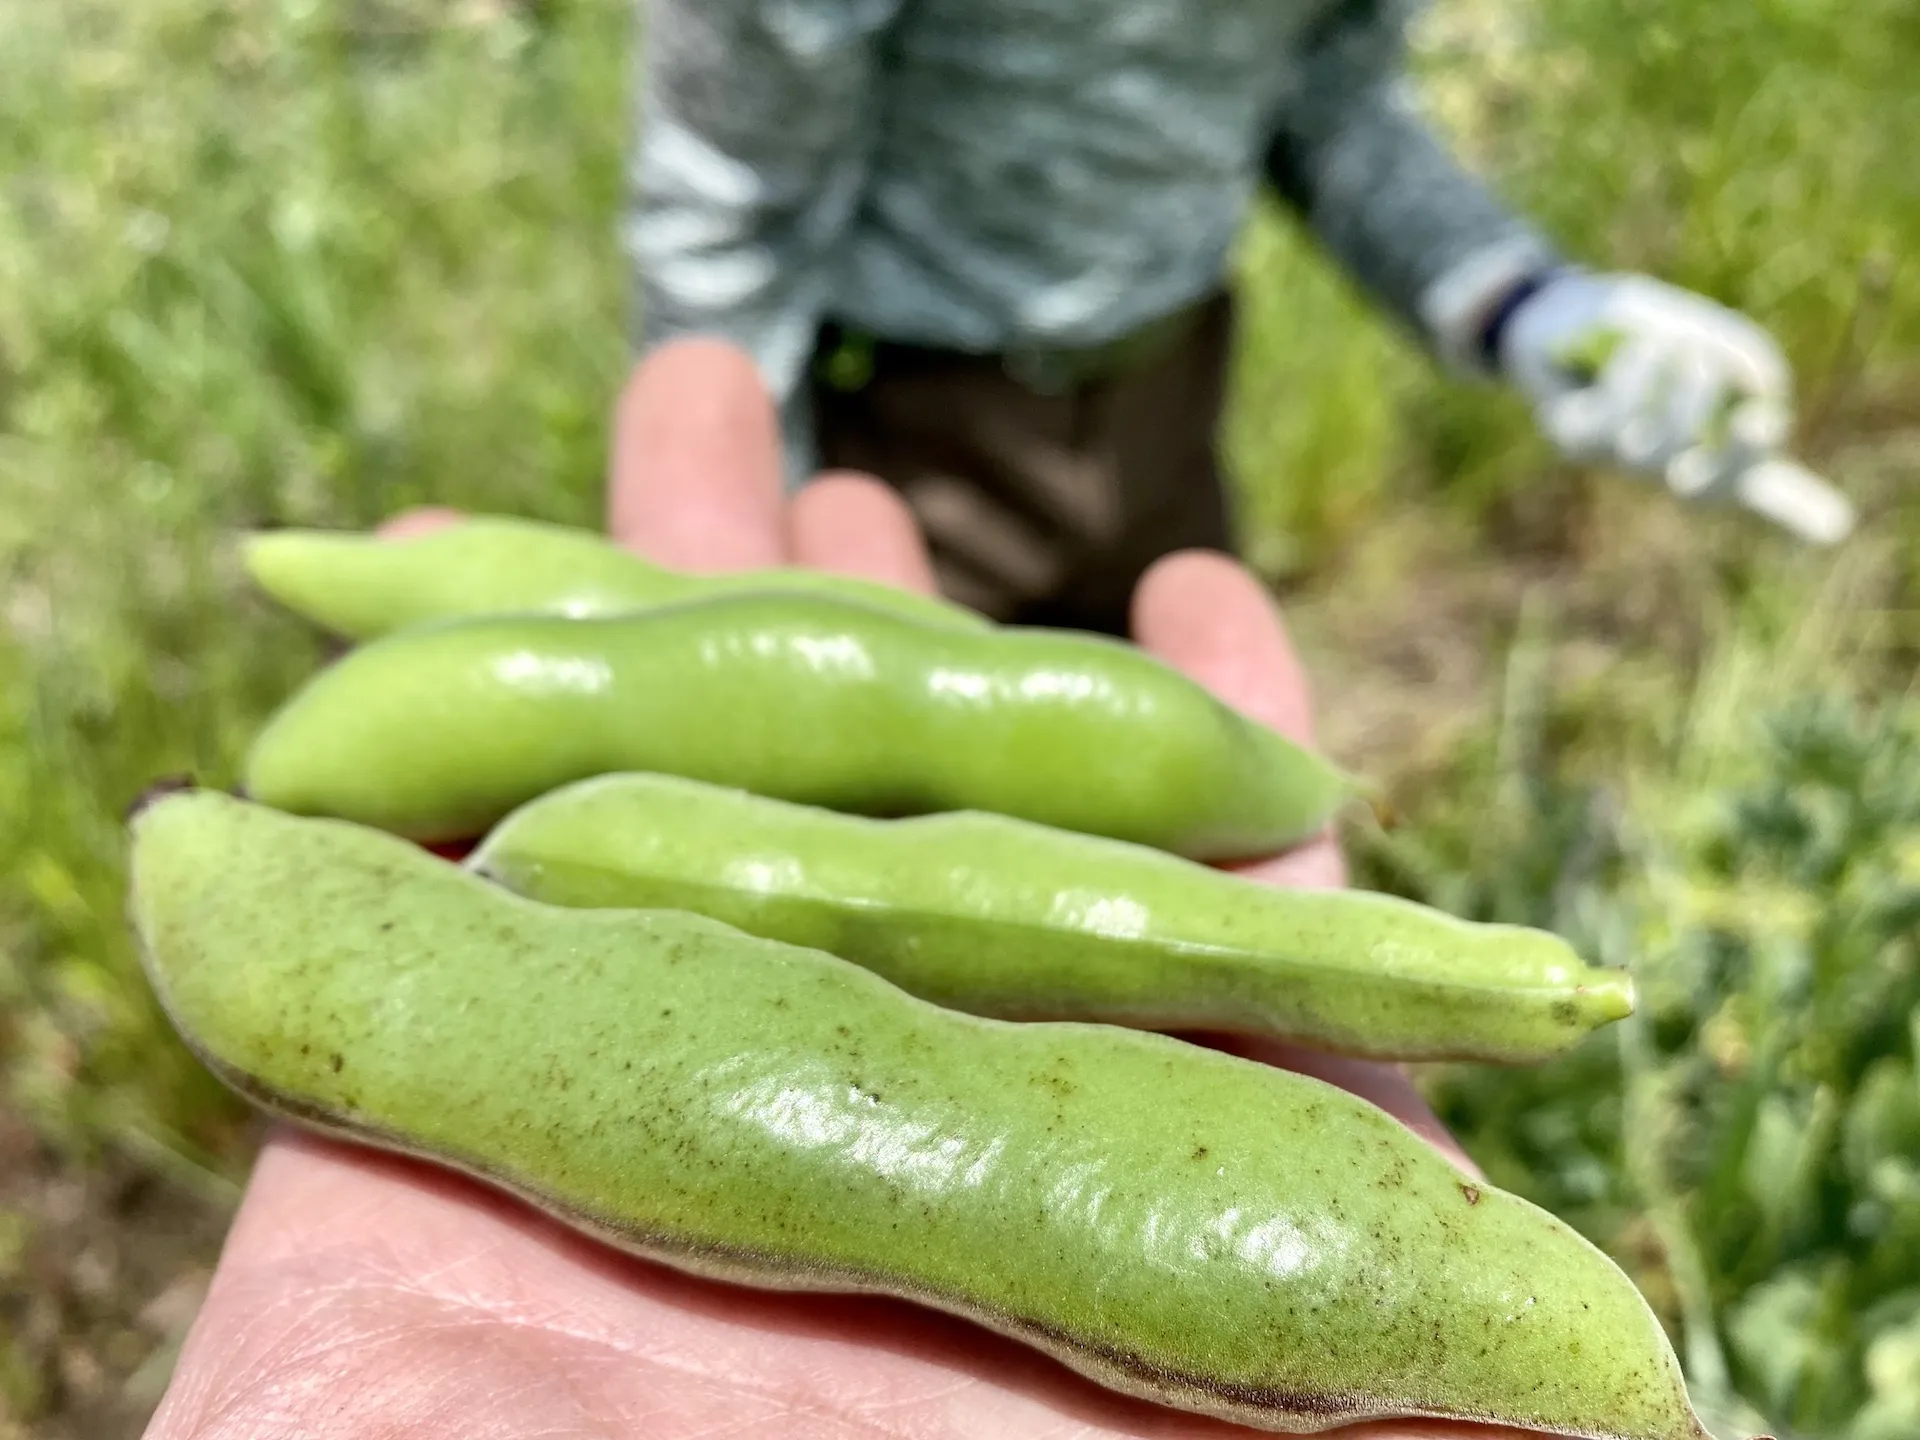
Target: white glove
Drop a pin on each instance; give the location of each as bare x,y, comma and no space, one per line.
1624,370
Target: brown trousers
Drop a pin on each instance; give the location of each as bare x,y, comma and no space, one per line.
1042,506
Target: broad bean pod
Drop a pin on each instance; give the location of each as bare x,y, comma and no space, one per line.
1002,917
1171,1222
362,587
437,732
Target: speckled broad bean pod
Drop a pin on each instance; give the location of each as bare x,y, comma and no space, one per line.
436,733
1006,918
362,587
1169,1221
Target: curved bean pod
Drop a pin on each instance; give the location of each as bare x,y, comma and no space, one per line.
1002,917
1172,1222
437,733
363,587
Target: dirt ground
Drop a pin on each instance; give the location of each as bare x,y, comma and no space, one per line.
109,1264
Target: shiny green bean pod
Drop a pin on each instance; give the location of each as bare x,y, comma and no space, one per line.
1171,1222
363,587
1002,917
437,733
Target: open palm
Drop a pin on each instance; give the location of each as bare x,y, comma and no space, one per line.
364,1296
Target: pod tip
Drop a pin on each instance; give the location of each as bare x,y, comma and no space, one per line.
257,546
1618,996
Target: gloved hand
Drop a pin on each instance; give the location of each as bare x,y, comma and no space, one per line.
1627,371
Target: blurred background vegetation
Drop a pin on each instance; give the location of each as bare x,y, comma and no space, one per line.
304,262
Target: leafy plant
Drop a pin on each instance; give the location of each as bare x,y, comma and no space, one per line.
1748,1145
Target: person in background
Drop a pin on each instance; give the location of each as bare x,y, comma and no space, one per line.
979,249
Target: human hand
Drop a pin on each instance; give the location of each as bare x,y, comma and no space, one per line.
360,1294
1627,371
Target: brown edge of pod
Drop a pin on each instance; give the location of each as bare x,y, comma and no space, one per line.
159,790
449,850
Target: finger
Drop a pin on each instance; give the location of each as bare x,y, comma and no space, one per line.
696,473
1202,613
1315,865
421,520
1755,360
1794,497
1588,424
1754,429
1205,615
1761,425
1694,401
1576,421
856,525
1699,472
1631,406
1740,348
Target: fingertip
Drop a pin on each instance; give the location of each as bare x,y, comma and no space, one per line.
420,520
853,524
1316,865
1205,614
696,475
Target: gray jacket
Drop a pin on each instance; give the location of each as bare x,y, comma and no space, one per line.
994,175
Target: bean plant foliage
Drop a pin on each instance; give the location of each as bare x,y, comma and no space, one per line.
1748,1145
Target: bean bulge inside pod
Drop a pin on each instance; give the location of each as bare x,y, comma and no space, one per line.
1003,917
436,733
366,586
1171,1222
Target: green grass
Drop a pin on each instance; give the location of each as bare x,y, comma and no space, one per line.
309,263
1748,1145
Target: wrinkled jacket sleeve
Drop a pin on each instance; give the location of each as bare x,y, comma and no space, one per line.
755,120
1353,155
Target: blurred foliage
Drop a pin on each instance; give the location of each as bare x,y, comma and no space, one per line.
1748,1146
287,261
342,260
